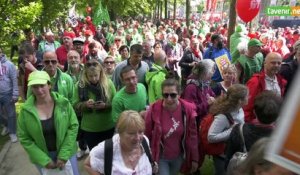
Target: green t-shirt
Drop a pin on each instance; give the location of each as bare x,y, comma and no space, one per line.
96,120
125,101
250,66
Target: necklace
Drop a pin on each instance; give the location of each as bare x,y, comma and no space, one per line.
131,158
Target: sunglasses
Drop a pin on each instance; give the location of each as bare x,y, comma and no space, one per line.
109,62
172,95
50,61
95,64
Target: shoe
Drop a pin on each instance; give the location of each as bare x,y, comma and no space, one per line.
80,154
4,131
13,138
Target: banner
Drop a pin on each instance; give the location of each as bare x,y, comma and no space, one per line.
100,15
72,18
221,62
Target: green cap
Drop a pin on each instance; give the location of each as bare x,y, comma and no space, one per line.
254,42
38,77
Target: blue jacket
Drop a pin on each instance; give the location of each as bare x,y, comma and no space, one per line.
212,53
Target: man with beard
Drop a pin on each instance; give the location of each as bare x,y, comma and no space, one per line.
267,79
60,81
75,70
96,53
216,51
63,50
74,66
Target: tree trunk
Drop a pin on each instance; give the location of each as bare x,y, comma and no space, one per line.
175,6
161,7
166,9
232,21
187,15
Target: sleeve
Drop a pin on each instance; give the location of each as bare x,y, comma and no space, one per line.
194,135
219,130
13,76
252,85
70,89
36,155
97,158
112,90
67,147
76,103
117,108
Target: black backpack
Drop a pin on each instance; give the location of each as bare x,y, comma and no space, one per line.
108,154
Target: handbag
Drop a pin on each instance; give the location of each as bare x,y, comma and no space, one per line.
67,170
238,157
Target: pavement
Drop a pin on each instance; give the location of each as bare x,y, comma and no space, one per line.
15,161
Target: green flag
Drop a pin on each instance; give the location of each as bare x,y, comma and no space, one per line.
100,15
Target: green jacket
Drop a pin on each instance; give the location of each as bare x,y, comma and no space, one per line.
31,136
235,39
154,78
43,43
95,120
65,85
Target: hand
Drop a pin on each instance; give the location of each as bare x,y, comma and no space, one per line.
100,105
155,168
210,99
89,103
29,66
51,165
60,163
88,167
194,166
15,99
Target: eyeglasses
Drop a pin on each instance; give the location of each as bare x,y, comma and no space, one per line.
50,61
95,64
109,62
172,95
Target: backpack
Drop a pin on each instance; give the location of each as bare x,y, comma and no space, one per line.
238,157
211,148
108,154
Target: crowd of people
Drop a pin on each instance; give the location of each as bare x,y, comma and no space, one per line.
131,82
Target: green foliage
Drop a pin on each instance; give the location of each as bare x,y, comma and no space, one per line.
16,16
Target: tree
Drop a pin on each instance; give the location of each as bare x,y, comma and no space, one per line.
232,21
188,11
17,15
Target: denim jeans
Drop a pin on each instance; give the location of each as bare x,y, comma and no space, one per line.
170,167
53,156
8,113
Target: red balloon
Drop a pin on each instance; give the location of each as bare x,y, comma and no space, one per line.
247,9
88,10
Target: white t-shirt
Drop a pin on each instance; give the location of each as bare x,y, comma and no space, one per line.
118,166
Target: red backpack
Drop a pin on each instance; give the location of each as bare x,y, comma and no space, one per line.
206,147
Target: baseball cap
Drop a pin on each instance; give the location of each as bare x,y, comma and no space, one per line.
38,77
254,42
78,40
69,34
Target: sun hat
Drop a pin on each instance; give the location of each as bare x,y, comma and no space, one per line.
38,77
254,42
78,40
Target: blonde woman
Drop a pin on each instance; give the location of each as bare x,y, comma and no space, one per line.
129,156
229,74
93,96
